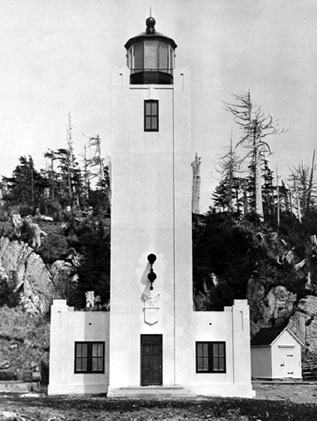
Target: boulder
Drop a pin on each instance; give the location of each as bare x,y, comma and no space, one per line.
5,365
268,307
281,304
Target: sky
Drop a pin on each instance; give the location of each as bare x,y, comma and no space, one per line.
57,58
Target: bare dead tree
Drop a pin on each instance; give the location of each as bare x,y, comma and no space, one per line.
255,126
196,184
301,178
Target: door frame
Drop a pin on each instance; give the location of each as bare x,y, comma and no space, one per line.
285,363
159,340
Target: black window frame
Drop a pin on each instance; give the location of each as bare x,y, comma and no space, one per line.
210,357
89,358
152,116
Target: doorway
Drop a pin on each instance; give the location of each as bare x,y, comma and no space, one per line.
287,360
151,360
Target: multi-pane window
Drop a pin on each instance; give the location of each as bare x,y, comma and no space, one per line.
210,357
151,115
89,357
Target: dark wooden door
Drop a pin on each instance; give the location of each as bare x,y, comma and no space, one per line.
151,360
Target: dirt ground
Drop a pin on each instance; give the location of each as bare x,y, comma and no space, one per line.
299,392
273,402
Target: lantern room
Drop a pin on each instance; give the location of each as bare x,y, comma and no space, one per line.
150,57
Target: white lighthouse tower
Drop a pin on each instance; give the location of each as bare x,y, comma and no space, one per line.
151,217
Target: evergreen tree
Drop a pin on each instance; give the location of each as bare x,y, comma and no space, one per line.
94,271
26,186
268,192
229,166
220,196
69,179
228,197
226,249
100,197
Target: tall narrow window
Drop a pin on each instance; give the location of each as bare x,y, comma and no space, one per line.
210,357
89,357
151,115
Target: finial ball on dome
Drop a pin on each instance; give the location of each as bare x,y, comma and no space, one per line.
150,23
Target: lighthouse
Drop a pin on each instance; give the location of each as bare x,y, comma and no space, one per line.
152,341
151,247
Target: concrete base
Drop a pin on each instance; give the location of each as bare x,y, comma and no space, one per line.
14,386
225,390
149,392
76,389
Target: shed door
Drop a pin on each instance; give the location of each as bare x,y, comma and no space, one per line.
151,360
287,361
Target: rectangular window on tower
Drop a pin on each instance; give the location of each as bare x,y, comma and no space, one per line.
89,357
151,115
210,357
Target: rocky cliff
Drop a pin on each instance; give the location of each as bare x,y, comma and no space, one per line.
27,289
24,275
293,302
276,271
69,259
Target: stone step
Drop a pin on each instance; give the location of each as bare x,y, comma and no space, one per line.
14,386
150,392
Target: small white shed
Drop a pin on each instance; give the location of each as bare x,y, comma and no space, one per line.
276,354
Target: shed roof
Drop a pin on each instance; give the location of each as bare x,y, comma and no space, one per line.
267,335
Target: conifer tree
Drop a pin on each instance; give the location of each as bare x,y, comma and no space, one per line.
26,186
229,167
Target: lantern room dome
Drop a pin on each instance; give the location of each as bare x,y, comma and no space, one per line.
150,56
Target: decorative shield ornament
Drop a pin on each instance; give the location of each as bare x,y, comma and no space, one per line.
151,315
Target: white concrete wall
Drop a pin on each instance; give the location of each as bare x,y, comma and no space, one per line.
184,361
286,357
232,327
151,213
68,327
261,362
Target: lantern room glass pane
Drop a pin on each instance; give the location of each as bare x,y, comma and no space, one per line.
171,58
151,54
129,58
138,56
163,56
